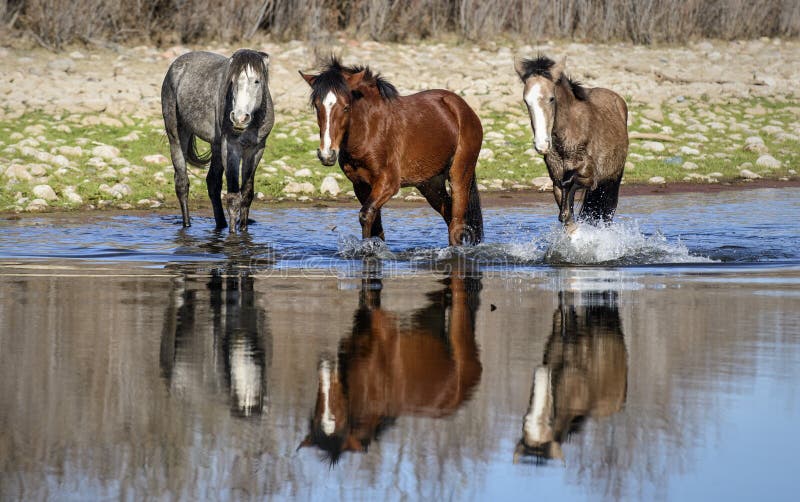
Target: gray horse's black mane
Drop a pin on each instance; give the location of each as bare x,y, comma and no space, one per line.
541,66
331,78
243,58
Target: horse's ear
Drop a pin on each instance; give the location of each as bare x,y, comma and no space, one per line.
558,69
353,79
308,78
265,57
519,67
306,442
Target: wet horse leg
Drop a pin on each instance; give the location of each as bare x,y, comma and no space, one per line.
363,191
568,201
382,190
233,199
214,184
435,192
249,164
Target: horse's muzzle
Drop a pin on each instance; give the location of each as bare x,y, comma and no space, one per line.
327,160
543,149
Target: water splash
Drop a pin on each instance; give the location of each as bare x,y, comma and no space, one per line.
350,246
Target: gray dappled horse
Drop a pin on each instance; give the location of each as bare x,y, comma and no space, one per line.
583,135
225,102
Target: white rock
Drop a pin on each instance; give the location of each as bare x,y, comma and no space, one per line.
689,165
156,159
768,161
73,197
132,136
62,64
330,185
105,151
653,146
17,172
37,170
657,180
45,192
71,151
294,187
37,205
486,153
303,173
686,150
542,183
748,174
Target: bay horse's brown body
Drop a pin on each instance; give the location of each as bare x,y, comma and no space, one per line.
583,135
584,373
385,141
389,367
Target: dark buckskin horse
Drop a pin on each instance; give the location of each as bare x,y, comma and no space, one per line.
584,373
216,340
389,367
583,135
225,102
385,141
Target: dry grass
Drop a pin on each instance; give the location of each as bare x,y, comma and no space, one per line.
55,23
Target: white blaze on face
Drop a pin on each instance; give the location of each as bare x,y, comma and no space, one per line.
536,425
534,100
246,96
328,103
328,419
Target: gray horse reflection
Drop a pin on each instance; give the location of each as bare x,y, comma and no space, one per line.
391,366
584,374
216,340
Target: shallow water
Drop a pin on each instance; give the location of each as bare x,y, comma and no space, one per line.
655,359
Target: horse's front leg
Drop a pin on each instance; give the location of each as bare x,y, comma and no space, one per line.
569,187
249,164
214,184
382,190
363,191
233,199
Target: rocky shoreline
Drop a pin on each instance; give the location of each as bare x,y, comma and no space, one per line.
709,112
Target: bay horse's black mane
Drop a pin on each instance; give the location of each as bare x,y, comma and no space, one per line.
541,66
331,79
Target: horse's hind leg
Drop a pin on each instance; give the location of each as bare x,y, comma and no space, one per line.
214,184
435,192
601,203
179,142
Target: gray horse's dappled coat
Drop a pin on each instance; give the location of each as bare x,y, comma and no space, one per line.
198,98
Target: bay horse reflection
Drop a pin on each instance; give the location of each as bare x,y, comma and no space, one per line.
389,367
584,373
385,141
216,340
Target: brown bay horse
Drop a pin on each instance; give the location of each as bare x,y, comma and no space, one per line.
389,367
385,141
584,373
583,135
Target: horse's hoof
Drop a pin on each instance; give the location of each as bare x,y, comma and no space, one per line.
571,228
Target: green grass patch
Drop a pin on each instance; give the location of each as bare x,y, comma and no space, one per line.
62,152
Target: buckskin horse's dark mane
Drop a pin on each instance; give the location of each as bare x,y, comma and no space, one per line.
541,66
331,78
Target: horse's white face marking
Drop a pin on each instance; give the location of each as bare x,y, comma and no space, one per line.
245,378
537,97
328,419
328,103
536,425
247,93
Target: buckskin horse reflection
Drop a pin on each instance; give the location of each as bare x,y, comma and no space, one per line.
584,373
389,367
216,340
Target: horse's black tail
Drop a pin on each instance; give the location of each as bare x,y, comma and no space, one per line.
601,203
195,157
473,234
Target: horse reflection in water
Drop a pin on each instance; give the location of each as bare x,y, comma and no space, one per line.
216,339
390,367
584,373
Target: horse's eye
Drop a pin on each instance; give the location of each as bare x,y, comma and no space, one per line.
347,108
258,82
552,99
